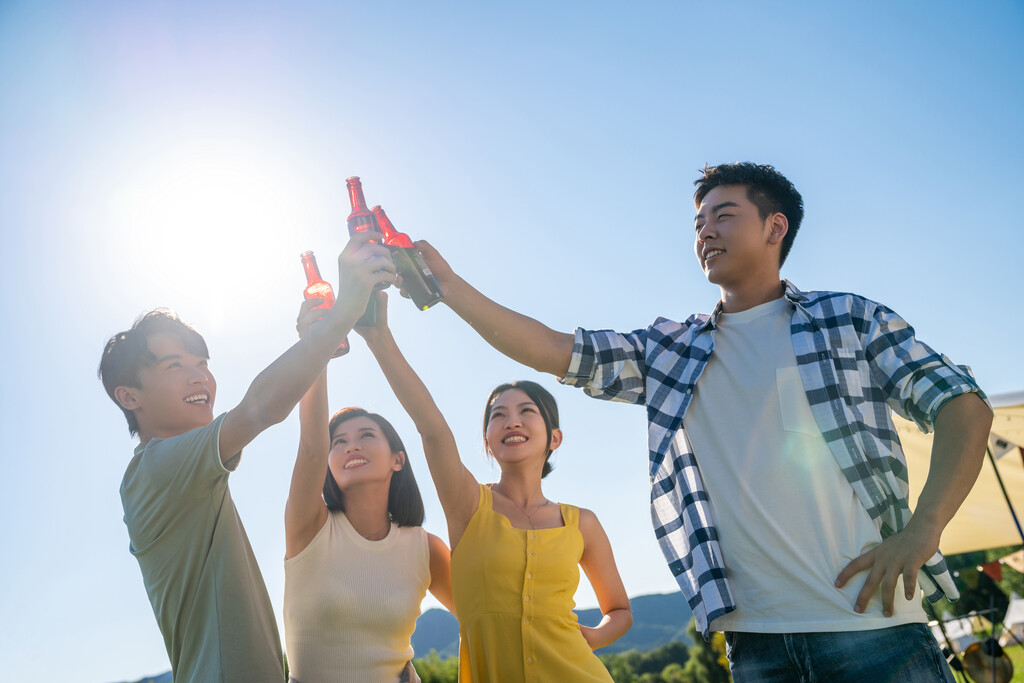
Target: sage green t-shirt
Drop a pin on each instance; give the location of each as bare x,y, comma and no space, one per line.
206,589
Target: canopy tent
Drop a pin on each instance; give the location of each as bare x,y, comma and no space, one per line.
984,520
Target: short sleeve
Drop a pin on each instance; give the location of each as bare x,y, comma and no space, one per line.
917,380
608,365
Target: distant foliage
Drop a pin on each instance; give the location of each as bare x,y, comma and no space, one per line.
433,669
701,662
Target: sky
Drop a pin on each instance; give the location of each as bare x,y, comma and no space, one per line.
182,155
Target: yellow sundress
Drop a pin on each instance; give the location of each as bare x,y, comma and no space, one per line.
514,597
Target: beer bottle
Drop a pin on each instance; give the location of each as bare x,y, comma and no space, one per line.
362,220
417,280
318,288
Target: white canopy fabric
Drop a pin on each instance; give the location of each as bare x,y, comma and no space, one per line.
984,520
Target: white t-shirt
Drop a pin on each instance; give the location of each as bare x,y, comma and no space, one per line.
787,517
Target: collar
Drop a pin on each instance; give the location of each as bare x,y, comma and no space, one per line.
792,293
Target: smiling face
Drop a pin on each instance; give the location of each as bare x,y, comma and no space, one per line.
516,432
733,243
361,454
175,393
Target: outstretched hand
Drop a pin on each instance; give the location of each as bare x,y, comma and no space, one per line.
308,315
902,554
443,272
361,266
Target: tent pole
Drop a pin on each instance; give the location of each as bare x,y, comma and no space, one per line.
1005,494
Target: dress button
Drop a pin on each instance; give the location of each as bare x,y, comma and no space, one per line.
529,660
529,575
526,622
531,553
531,535
526,598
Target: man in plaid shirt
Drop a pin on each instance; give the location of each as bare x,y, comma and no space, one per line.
776,472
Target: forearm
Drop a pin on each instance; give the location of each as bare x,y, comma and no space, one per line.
314,440
958,451
276,390
515,335
613,626
410,390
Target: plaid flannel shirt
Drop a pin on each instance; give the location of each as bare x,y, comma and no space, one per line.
857,360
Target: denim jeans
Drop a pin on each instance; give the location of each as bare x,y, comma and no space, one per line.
901,654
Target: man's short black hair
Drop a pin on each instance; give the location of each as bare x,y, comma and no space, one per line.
127,352
770,191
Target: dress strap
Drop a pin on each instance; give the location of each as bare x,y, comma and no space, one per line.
570,515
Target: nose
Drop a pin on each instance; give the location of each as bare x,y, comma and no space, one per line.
705,233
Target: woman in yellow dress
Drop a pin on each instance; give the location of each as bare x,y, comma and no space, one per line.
515,554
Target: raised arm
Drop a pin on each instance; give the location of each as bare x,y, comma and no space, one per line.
456,487
277,389
305,511
517,336
598,564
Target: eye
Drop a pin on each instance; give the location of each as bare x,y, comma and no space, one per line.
697,227
337,442
529,409
724,215
204,363
175,364
497,414
369,435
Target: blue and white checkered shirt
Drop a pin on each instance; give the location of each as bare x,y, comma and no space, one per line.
857,359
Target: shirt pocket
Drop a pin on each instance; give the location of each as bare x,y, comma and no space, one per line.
796,411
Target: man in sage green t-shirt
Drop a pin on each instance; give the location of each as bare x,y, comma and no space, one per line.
199,569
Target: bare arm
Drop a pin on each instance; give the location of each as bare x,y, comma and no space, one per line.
456,487
305,511
441,572
958,451
277,389
517,336
598,563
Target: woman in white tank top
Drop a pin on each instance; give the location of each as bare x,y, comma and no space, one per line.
357,561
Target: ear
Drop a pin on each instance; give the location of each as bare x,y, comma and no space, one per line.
399,462
556,439
127,397
778,226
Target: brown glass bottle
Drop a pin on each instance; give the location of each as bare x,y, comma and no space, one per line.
362,220
318,288
417,280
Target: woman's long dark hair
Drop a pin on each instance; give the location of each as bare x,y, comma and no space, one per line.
405,504
545,404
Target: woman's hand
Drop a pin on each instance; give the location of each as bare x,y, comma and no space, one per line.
379,331
309,314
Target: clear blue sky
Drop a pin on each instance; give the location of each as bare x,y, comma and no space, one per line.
182,154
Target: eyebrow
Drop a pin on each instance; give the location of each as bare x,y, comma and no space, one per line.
360,430
518,405
716,208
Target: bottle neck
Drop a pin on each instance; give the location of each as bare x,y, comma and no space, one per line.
309,265
391,236
355,193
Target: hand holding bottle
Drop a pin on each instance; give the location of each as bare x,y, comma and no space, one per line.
361,266
442,272
374,334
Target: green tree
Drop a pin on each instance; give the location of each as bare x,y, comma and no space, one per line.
707,658
433,669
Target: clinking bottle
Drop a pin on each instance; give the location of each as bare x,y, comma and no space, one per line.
417,280
362,220
318,288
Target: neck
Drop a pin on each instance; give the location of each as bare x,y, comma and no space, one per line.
367,510
751,292
525,490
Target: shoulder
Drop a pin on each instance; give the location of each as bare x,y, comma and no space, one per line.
588,522
436,545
